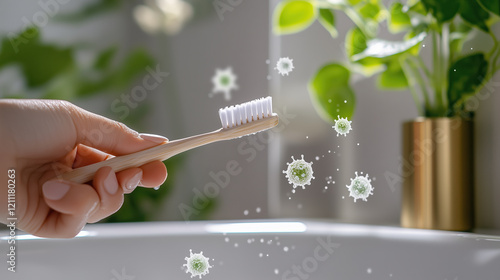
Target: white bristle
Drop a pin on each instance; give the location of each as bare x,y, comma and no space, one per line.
223,117
248,110
237,114
230,118
246,113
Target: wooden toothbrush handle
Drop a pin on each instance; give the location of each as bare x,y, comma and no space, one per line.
161,152
164,151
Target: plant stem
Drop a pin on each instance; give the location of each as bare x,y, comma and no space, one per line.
411,83
418,59
358,21
420,80
437,72
445,65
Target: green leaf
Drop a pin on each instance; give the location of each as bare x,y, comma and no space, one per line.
491,5
458,35
293,16
417,7
331,93
104,59
355,42
393,77
399,20
464,77
39,62
370,10
327,19
471,12
442,10
383,49
354,2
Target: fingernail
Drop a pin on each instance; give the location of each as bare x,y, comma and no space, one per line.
110,183
134,181
55,190
153,138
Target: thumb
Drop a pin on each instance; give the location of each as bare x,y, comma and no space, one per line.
110,136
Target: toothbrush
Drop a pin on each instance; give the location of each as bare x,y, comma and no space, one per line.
237,121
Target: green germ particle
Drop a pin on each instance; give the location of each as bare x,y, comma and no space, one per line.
342,126
197,264
360,187
224,80
299,172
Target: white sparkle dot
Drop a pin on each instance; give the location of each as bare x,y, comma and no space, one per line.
276,271
369,271
285,249
245,212
257,210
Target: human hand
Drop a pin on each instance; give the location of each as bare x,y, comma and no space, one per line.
41,139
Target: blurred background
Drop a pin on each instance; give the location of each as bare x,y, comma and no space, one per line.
96,54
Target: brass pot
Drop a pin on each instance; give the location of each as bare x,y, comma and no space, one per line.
437,173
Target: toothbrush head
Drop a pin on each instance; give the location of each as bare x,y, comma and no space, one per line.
248,112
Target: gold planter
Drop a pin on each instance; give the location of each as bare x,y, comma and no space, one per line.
437,173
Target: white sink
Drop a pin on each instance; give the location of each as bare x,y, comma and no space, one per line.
278,249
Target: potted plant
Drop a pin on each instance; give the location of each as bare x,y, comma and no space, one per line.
437,146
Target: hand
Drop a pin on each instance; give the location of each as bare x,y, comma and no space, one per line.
41,139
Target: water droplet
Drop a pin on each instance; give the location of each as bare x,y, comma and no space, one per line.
261,255
236,245
249,241
390,275
226,239
276,271
267,255
307,137
471,49
338,169
285,249
317,158
269,242
369,271
257,210
357,144
329,151
345,101
343,197
262,240
326,187
245,212
338,110
423,45
454,70
329,101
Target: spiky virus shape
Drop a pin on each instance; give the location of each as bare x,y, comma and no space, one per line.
224,81
284,66
299,172
360,187
197,264
342,126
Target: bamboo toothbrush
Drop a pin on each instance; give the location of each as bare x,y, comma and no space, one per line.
237,121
